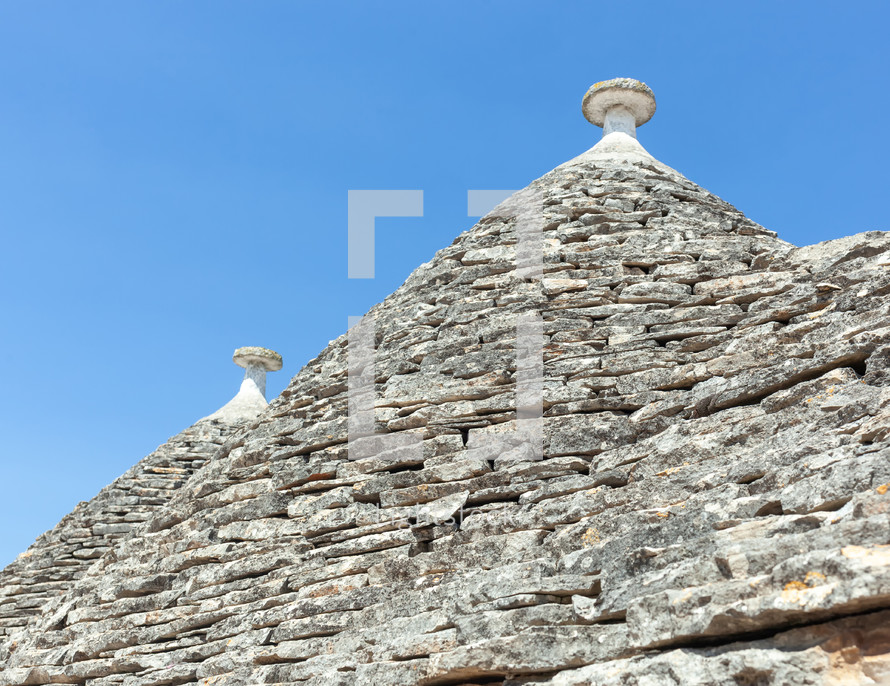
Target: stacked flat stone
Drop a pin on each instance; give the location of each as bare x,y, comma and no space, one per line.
712,506
62,555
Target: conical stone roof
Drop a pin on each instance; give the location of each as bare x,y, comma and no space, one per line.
60,556
51,565
712,504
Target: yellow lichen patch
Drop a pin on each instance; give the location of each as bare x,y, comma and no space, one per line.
687,594
166,470
814,578
793,589
672,470
878,554
663,514
590,538
882,489
822,396
799,593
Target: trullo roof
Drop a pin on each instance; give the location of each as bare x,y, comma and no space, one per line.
712,505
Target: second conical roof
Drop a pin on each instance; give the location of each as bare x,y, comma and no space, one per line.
708,391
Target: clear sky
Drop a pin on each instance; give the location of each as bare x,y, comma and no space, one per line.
174,176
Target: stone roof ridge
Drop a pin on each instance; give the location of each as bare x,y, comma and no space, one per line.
708,496
58,557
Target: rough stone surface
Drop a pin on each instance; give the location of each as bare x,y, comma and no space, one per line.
62,555
713,506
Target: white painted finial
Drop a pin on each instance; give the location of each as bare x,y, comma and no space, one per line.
251,397
256,362
619,105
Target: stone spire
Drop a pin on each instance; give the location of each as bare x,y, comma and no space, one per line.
251,397
619,106
715,470
256,362
54,562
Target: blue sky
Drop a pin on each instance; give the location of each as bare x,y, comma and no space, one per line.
174,177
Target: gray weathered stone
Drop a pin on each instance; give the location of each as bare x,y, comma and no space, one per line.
712,505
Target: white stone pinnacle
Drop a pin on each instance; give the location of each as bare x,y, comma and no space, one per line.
251,397
256,362
619,105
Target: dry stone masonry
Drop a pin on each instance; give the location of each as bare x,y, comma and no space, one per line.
712,506
61,556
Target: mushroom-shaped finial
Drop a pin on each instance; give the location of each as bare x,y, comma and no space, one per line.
619,105
256,362
251,397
